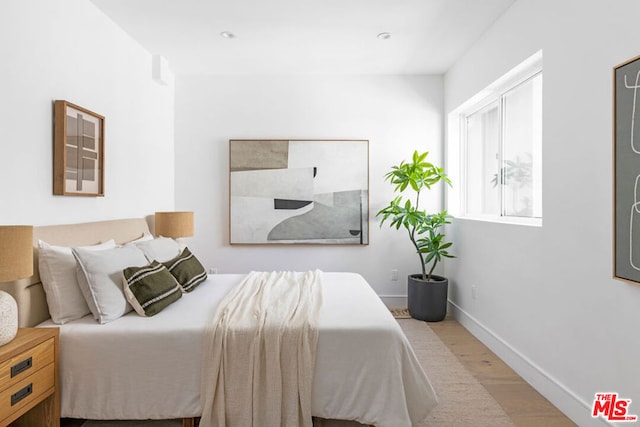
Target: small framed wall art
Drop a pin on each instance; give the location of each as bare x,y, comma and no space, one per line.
78,151
301,192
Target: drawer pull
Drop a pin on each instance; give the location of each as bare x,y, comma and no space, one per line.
21,394
21,367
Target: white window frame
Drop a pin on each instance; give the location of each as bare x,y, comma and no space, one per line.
457,143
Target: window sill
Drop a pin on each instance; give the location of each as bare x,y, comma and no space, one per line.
529,222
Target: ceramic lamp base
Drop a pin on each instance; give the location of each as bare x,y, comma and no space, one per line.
8,318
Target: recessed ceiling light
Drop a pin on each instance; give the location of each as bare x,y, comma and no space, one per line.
227,35
384,36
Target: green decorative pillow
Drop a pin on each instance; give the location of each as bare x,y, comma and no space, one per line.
187,270
150,289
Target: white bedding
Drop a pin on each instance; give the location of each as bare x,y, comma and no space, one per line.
149,368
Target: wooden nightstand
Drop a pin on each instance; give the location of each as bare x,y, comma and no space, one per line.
29,387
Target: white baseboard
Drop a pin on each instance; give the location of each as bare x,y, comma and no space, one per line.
394,301
572,405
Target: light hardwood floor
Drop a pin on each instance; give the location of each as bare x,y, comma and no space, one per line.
525,406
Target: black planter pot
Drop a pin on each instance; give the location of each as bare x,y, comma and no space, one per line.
427,300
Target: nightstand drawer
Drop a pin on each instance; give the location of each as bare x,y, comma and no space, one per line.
25,364
31,388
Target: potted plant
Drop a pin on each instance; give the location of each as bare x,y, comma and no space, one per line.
427,293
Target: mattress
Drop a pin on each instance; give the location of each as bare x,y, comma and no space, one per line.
149,368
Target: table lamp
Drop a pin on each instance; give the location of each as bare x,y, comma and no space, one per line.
174,224
16,262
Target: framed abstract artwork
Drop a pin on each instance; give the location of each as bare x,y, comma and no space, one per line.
78,151
626,171
299,192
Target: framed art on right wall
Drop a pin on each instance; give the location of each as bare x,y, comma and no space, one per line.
626,171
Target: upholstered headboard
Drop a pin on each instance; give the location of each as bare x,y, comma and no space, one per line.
29,294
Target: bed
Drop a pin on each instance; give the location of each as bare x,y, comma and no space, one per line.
149,367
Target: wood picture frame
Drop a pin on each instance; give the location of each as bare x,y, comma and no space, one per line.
78,151
626,171
298,192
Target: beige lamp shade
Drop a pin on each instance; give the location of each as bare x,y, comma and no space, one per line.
174,224
16,252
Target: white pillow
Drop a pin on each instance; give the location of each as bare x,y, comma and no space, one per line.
161,249
145,236
100,279
57,268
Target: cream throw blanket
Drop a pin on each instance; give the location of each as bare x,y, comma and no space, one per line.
260,351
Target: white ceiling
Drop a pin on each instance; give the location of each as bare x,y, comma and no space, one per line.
306,36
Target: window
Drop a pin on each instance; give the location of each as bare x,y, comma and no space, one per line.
500,137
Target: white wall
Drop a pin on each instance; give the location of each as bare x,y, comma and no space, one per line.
397,114
546,299
68,49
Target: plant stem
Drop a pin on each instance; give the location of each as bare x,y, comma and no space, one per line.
433,266
413,240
